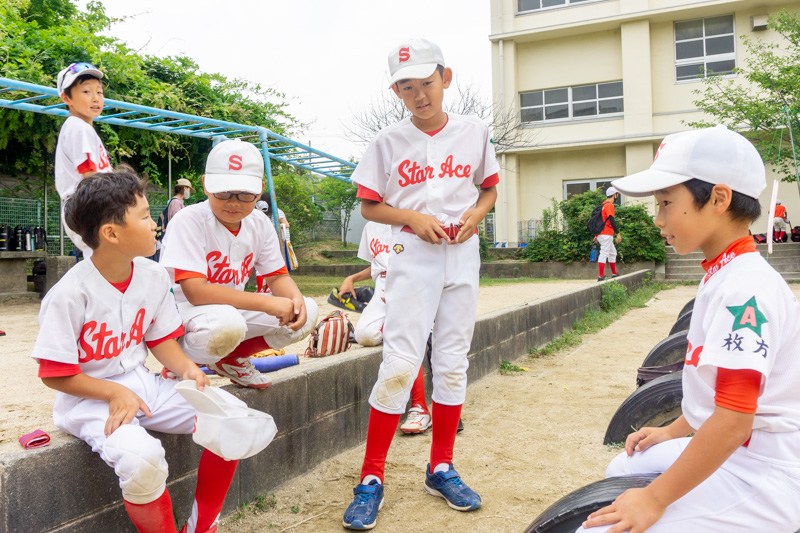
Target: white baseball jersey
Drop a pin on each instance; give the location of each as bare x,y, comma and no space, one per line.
198,242
435,175
746,317
374,247
77,141
85,320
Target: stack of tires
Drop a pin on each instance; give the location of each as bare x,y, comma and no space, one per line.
656,402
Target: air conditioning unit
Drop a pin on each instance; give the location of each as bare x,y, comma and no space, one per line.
758,22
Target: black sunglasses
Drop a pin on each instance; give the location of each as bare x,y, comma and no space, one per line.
245,197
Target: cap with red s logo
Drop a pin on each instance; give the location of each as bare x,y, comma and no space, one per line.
234,166
414,59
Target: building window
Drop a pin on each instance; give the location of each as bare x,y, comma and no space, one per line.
569,103
704,47
537,5
571,188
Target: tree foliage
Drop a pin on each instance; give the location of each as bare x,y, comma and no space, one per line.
339,198
40,37
564,236
769,99
293,192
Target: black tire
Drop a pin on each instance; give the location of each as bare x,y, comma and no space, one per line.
682,324
686,308
568,513
669,350
655,404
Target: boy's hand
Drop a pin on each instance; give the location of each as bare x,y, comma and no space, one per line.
639,441
428,228
196,374
123,406
347,286
619,238
469,221
279,307
300,314
634,510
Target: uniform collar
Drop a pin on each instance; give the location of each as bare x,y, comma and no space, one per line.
738,247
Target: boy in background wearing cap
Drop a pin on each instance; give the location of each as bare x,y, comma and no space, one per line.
780,221
96,325
432,177
79,151
210,251
741,469
606,237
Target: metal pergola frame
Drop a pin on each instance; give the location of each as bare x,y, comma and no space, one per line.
46,100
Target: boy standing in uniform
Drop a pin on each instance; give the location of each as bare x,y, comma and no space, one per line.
97,323
210,251
741,469
606,237
420,176
79,151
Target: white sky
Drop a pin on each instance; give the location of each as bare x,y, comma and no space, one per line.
327,56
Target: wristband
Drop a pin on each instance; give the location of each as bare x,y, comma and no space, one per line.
35,439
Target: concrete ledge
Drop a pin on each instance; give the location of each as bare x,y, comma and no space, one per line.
552,269
320,408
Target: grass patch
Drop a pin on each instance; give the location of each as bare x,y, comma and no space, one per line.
510,369
616,303
492,282
261,503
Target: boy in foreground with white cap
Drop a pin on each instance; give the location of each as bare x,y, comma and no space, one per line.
432,177
606,237
210,251
96,326
741,469
79,152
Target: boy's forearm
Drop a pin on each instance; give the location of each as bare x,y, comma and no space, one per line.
486,201
170,354
284,286
83,386
199,292
363,275
714,442
385,214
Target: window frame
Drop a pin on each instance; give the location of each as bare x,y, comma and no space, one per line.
566,4
570,103
704,59
593,182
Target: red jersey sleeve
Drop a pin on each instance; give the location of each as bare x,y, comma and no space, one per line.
174,335
368,194
491,181
181,275
55,369
738,390
87,166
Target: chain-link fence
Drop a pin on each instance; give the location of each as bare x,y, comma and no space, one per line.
28,214
528,229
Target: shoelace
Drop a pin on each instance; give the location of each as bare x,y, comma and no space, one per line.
365,497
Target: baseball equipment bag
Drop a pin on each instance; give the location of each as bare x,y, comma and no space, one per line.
346,300
163,219
330,336
291,258
595,224
760,238
796,234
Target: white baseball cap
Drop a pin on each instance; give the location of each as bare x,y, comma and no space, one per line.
225,425
234,166
611,191
413,60
67,76
715,155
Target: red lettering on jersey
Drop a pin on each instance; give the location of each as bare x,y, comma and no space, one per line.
404,55
103,159
412,173
694,358
219,270
235,162
104,343
376,247
459,171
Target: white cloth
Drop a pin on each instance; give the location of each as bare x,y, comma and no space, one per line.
369,328
607,249
198,242
434,175
77,141
374,247
427,285
85,320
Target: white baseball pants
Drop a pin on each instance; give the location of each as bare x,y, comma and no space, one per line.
427,285
607,249
779,224
744,495
213,331
369,328
136,456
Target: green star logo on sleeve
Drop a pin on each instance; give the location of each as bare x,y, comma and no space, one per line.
747,316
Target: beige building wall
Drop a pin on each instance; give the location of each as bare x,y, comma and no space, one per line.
597,42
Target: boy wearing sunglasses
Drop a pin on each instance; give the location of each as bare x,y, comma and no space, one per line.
79,151
210,251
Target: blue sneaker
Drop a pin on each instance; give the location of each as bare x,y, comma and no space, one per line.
362,512
448,485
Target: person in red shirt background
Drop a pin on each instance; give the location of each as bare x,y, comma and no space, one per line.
781,218
606,237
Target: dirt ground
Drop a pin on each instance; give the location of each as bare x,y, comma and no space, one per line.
26,404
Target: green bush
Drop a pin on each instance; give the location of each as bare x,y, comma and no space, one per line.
564,236
613,295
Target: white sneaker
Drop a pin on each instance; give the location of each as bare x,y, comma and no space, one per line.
241,372
417,421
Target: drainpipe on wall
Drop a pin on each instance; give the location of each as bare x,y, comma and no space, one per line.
503,187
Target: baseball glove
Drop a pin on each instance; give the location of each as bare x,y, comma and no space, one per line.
330,336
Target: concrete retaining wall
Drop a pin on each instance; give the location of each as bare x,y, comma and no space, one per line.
320,408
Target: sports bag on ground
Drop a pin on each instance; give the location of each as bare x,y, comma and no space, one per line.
330,336
796,234
161,223
595,224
